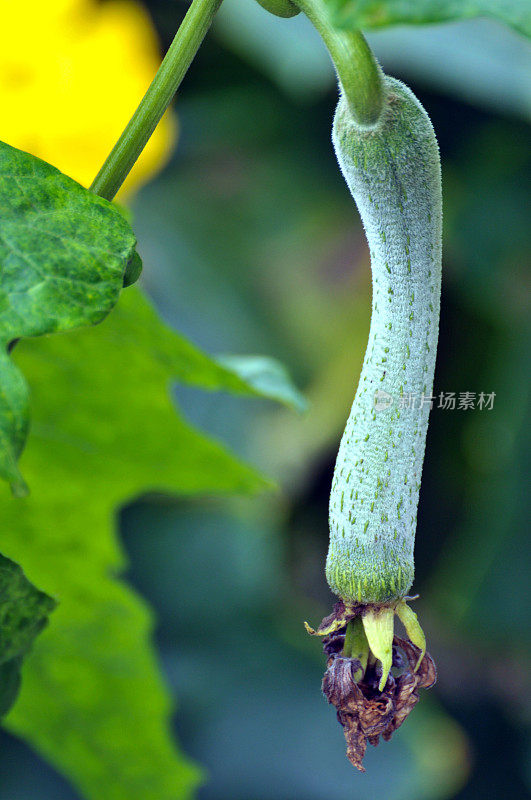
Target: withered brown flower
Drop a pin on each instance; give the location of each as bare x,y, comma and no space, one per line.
365,712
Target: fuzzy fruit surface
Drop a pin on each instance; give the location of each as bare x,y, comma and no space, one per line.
393,173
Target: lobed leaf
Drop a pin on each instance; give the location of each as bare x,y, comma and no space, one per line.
104,431
63,253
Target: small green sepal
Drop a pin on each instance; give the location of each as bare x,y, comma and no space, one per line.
410,621
379,629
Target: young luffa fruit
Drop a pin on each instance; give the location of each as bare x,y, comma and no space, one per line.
392,169
393,173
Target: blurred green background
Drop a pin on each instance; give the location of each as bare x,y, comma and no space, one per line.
252,244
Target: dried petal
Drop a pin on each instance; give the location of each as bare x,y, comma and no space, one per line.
406,699
427,671
365,711
376,715
333,645
356,742
339,686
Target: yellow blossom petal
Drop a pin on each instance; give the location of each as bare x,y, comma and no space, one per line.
70,83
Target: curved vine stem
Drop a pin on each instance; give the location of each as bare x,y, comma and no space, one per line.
359,73
134,138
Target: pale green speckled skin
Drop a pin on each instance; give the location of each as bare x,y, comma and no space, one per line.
393,173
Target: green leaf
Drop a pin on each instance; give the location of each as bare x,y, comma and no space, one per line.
63,252
104,431
23,611
23,614
381,13
268,377
132,270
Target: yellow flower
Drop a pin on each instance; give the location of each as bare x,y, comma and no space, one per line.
71,74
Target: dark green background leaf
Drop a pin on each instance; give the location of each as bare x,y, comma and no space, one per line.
132,270
9,683
23,614
380,13
23,611
63,252
104,431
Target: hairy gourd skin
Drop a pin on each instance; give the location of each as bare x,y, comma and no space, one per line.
393,173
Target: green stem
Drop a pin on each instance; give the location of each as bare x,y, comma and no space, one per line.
359,73
157,98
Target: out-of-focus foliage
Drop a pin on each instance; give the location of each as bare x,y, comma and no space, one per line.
380,13
24,612
104,430
251,243
71,74
254,710
494,200
63,254
479,60
266,377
